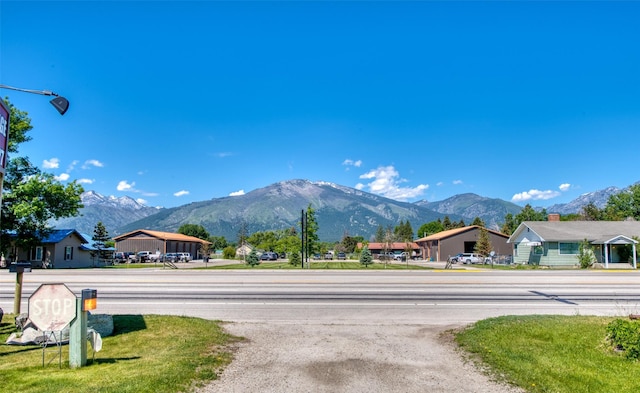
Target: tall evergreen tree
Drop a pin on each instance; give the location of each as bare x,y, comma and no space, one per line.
379,237
365,257
483,244
478,221
100,239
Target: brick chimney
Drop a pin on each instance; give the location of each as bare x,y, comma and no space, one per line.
553,217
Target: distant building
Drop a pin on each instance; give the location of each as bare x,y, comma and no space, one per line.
159,242
442,245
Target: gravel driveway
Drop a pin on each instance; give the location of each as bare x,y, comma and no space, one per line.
277,358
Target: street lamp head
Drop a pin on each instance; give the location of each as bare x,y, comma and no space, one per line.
61,104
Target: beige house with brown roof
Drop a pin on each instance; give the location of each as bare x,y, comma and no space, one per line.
159,242
442,245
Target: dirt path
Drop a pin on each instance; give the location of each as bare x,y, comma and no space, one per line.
279,358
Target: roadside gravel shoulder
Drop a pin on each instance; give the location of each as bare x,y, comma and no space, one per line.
349,358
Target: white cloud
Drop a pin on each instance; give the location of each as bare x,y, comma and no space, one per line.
224,154
359,186
439,184
457,182
237,193
349,163
123,185
181,193
534,195
85,181
141,201
51,164
62,177
72,166
386,182
564,186
92,163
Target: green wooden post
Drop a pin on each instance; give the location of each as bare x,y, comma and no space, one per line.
78,338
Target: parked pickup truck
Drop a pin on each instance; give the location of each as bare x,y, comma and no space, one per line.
147,256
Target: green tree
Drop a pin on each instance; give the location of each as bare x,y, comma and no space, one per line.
591,212
229,252
624,205
528,213
31,198
365,257
311,230
195,230
218,242
446,223
430,228
403,232
478,221
483,245
379,236
586,258
252,258
100,241
509,225
294,258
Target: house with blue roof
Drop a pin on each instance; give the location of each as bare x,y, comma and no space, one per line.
62,249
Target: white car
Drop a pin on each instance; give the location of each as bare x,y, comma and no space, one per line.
470,258
183,256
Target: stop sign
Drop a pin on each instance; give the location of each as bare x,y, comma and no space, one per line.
52,307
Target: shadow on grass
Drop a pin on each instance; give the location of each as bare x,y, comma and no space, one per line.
123,324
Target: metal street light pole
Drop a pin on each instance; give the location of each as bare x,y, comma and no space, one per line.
62,105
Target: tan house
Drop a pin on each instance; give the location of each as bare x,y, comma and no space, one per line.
159,242
442,245
61,249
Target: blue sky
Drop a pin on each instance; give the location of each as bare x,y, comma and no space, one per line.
177,102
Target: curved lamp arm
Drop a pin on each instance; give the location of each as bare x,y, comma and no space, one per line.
60,103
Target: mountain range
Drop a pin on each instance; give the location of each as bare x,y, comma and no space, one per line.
339,210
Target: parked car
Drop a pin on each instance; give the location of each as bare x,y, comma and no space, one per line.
342,256
143,256
389,256
455,258
400,256
471,258
120,256
328,256
316,256
269,256
183,256
170,257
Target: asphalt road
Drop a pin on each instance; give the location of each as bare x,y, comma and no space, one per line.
440,297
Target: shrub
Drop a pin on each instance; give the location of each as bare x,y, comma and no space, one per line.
625,336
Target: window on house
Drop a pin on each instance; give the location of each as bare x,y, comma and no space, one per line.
568,248
36,253
515,250
68,253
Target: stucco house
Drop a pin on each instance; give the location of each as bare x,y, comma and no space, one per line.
556,243
62,249
442,245
159,242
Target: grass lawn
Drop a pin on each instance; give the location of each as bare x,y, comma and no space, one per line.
146,353
551,354
341,265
